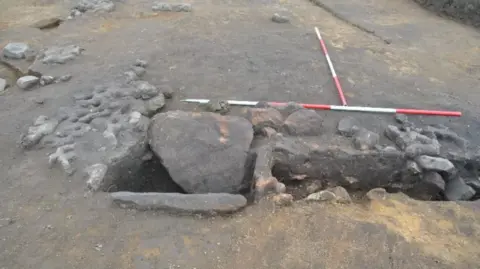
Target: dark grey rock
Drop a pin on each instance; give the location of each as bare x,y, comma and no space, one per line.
262,118
430,187
95,175
448,135
457,189
144,90
436,164
304,122
418,149
15,50
465,11
203,152
184,203
167,91
27,82
279,18
401,118
473,182
348,126
365,139
155,104
412,168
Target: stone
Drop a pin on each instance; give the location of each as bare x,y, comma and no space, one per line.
95,175
457,190
171,7
47,23
130,76
262,118
59,55
350,182
203,152
181,203
341,195
286,110
154,105
268,132
144,90
141,63
322,196
167,91
365,139
436,164
46,80
401,118
64,78
377,194
27,82
473,182
412,168
283,199
139,71
418,149
304,122
15,50
64,156
83,6
348,126
217,106
314,186
279,18
447,135
429,187
3,84
41,127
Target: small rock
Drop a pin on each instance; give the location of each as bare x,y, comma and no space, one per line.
130,76
217,106
283,199
436,164
15,50
171,7
181,7
46,80
457,189
474,183
377,194
314,186
3,84
365,139
321,196
418,149
154,105
190,203
141,63
139,71
60,55
95,173
350,182
412,168
304,122
268,132
348,126
144,90
27,82
286,110
39,100
264,117
341,194
279,18
167,91
401,118
47,23
65,78
41,127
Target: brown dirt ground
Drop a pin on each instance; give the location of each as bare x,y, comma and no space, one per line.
230,49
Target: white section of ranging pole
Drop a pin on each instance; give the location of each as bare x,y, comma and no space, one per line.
230,102
330,64
364,109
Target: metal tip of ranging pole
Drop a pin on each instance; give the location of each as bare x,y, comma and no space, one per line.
332,70
383,110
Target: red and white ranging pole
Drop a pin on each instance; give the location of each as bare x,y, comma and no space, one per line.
332,70
344,108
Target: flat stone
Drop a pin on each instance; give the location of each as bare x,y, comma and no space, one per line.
15,50
27,82
304,122
456,189
279,18
183,203
365,139
3,84
283,199
203,152
47,23
436,164
263,117
348,126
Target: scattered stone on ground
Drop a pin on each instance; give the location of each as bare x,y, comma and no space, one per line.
365,139
377,194
175,7
154,105
182,203
436,164
283,199
27,82
95,176
3,84
217,106
314,186
456,189
47,23
351,183
279,18
203,152
167,91
15,50
141,63
322,196
59,55
304,122
46,80
413,168
83,6
341,194
262,118
348,126
401,118
41,127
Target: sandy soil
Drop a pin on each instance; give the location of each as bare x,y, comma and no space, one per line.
231,49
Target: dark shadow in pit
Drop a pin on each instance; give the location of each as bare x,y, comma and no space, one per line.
151,177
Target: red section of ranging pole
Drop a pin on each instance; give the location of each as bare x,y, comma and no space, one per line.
332,70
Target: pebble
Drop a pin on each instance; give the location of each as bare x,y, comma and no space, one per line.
46,80
283,199
279,18
15,50
47,23
27,82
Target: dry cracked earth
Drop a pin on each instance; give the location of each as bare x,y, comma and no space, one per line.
388,53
